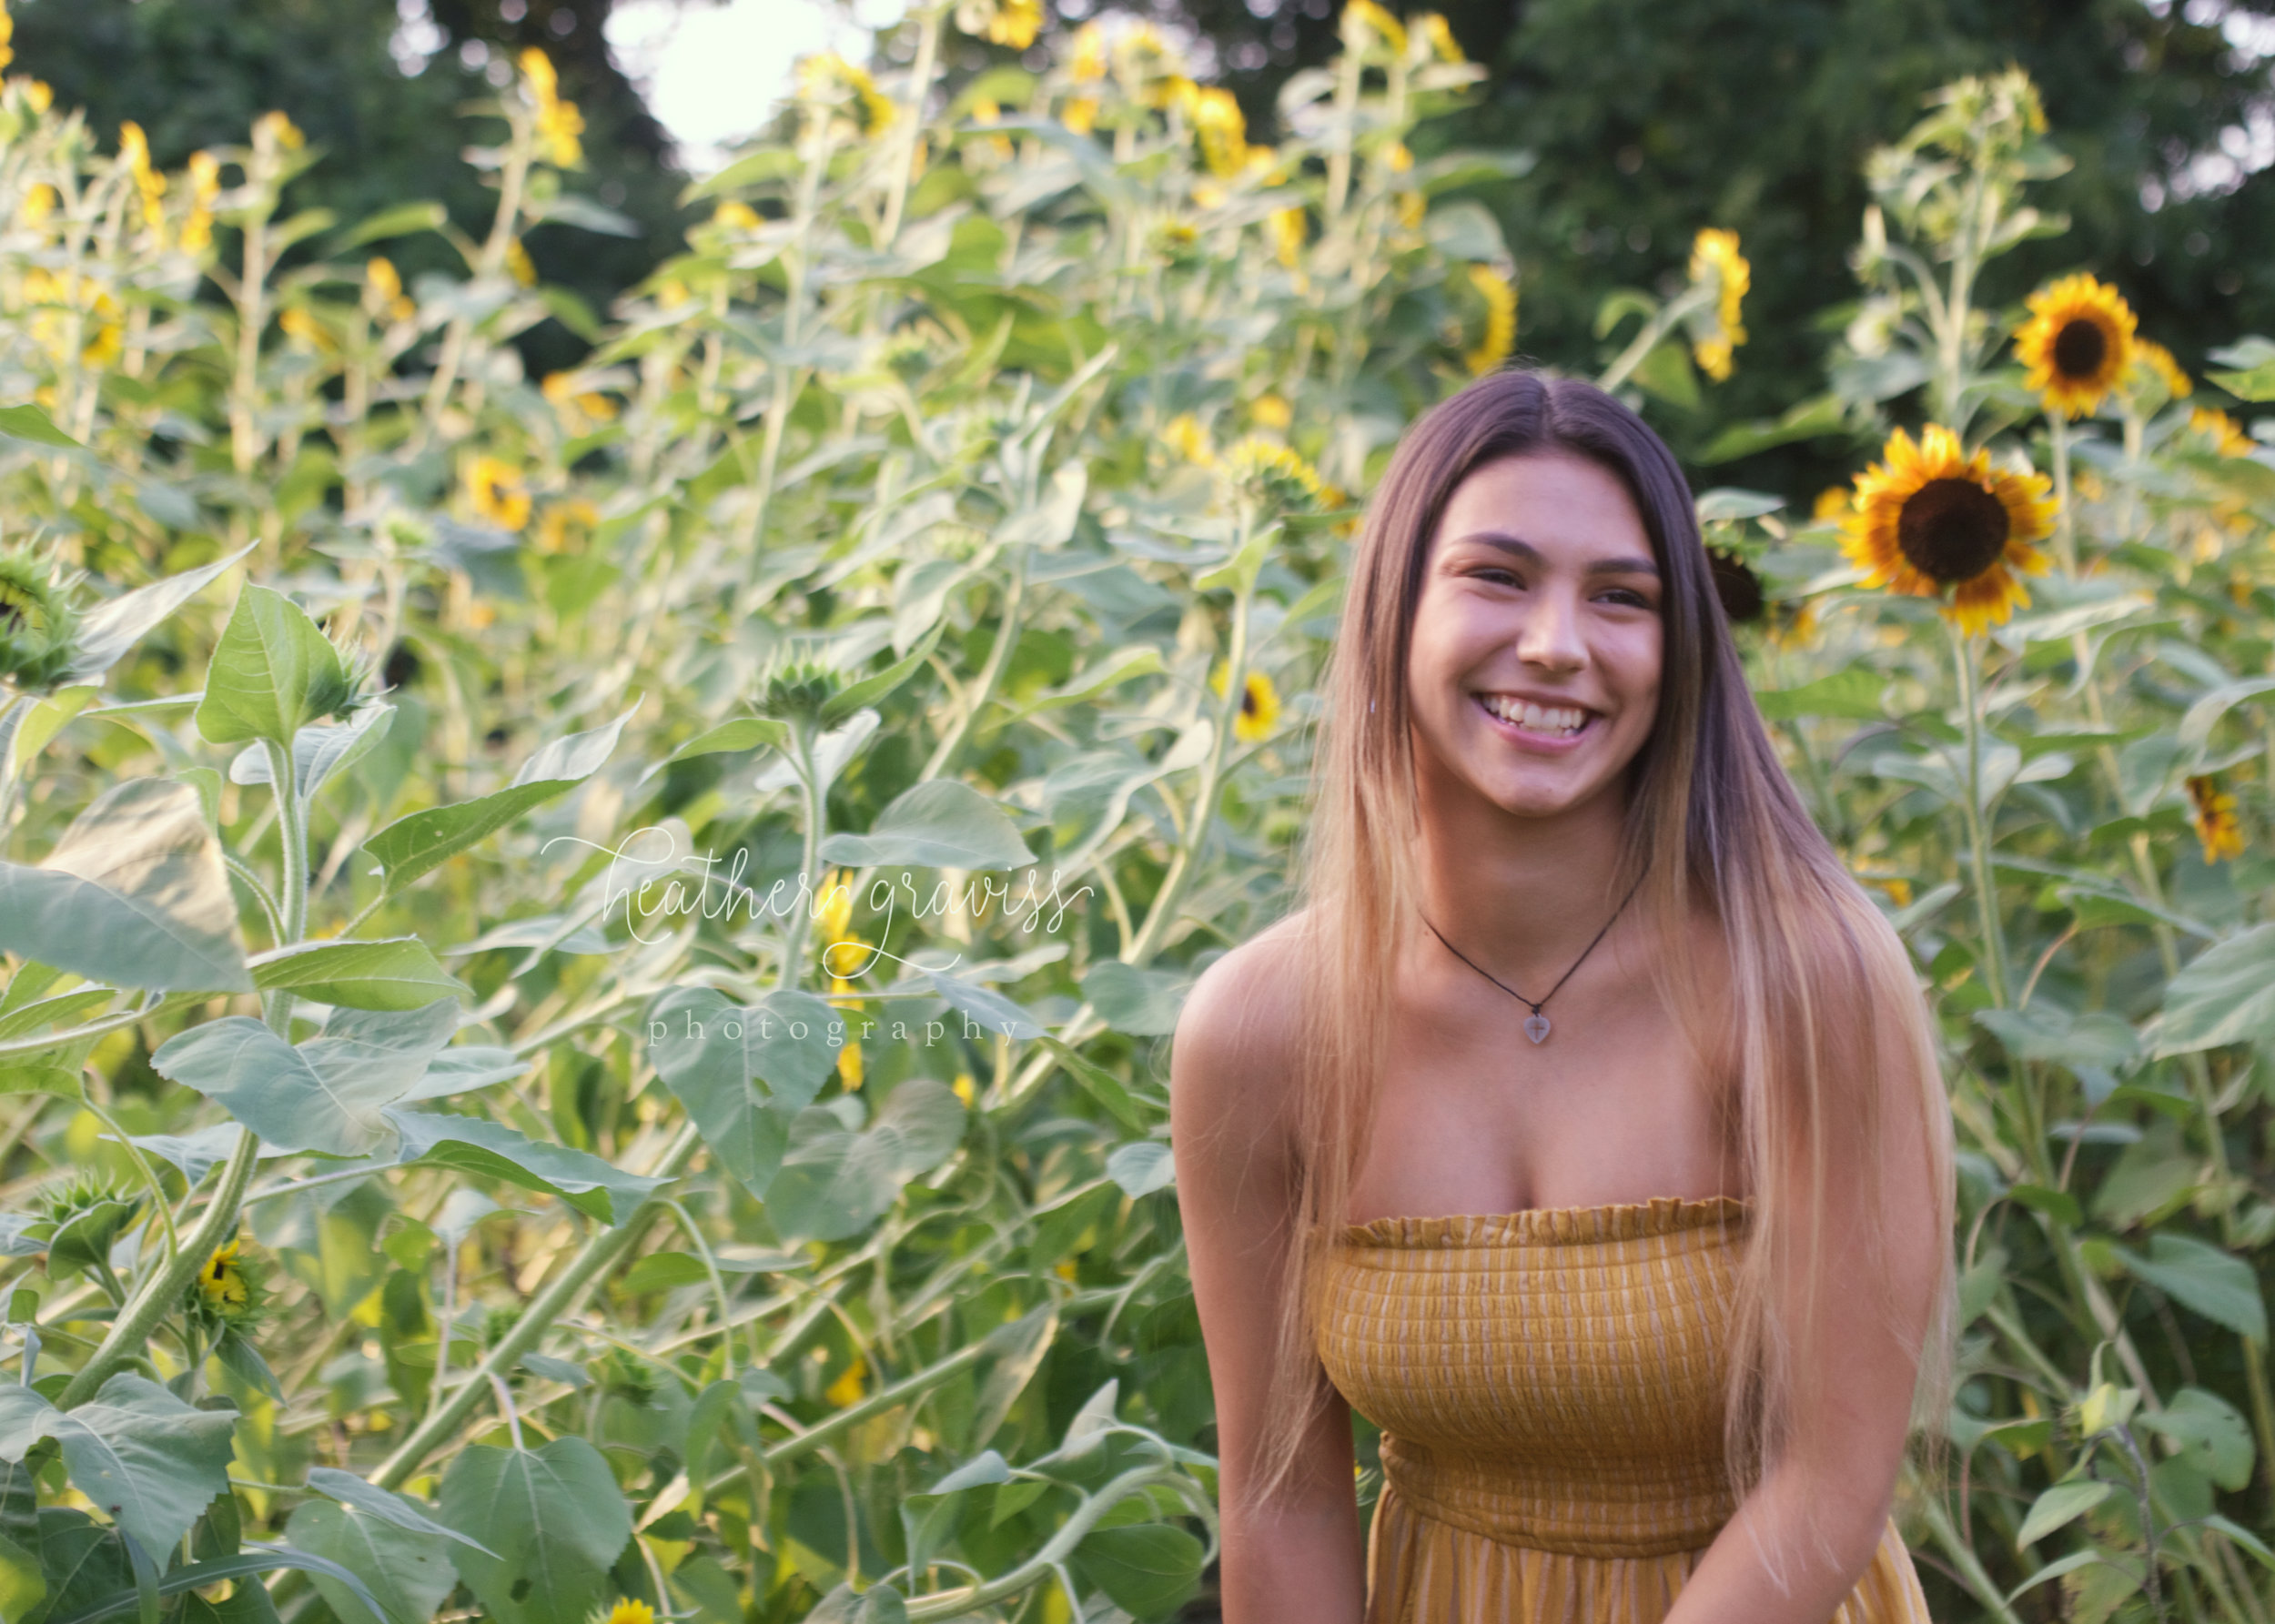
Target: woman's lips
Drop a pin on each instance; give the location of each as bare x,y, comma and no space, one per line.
1543,744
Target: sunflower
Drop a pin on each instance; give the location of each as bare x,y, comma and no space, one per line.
1737,586
38,624
1184,434
1930,518
1259,705
1271,411
1221,130
1501,320
846,1390
1434,29
626,1611
2215,818
2225,433
2076,344
2152,358
559,123
1715,253
826,79
1364,18
498,493
1273,475
1287,227
1013,22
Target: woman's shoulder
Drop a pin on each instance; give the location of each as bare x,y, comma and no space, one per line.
1234,1057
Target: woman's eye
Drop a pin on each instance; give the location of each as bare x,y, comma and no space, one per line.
1629,597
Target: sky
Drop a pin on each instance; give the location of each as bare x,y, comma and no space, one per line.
712,73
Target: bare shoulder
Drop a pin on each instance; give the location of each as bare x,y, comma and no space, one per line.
1233,1060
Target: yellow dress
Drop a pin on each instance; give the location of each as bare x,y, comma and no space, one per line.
1549,1385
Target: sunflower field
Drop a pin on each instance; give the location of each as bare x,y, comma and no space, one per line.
588,958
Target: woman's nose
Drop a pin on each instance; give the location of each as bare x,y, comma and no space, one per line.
1551,635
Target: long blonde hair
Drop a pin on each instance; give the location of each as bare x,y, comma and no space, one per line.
1711,819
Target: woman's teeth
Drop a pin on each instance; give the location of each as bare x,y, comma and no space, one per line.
1555,720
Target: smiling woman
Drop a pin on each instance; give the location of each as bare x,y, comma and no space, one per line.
1640,1309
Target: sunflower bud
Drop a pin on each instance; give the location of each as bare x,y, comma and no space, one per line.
231,1290
795,690
38,625
79,1219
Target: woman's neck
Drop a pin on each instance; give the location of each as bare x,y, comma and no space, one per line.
1520,895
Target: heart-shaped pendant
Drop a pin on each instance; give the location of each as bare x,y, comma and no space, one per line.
1536,1027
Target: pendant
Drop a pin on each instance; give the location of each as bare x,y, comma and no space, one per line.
1536,1026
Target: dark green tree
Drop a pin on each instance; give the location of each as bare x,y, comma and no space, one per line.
386,99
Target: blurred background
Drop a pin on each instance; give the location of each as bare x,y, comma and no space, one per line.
1644,119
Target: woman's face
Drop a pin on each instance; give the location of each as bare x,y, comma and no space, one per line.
1533,673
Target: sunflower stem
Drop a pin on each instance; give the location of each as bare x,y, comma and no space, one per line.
1978,834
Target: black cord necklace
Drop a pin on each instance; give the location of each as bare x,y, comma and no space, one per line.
1536,1023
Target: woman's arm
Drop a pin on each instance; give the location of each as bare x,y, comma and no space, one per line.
1294,1557
1825,1509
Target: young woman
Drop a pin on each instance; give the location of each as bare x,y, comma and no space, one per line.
1583,1129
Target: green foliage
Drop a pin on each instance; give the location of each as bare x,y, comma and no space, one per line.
418,880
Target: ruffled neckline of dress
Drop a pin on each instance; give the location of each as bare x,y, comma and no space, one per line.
1555,1225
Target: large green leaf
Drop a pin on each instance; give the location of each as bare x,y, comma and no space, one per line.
278,1091
1146,1570
115,627
272,670
398,974
319,750
408,1570
2216,1285
942,822
134,894
553,1514
473,1144
835,1182
1144,1002
2059,1505
740,1072
2225,995
411,847
2212,1434
148,1461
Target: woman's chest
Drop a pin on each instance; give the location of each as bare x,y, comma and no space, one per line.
1615,1105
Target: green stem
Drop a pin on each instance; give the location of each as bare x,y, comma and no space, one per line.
163,1292
1978,835
1970,1568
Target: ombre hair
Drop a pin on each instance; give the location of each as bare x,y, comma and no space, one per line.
1713,829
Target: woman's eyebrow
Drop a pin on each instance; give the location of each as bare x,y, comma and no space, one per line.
1532,555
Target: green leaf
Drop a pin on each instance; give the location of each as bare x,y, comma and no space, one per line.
1147,1570
867,693
1851,695
834,1182
28,422
472,1144
287,1096
403,221
411,847
147,1460
2216,1285
134,894
406,1571
273,670
660,1271
1143,1002
740,1073
2257,383
113,628
2095,1038
384,1504
2060,1505
1141,1168
322,750
879,1604
553,1514
942,822
2212,1434
398,974
2225,995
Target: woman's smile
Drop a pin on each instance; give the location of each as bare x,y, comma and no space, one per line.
1544,725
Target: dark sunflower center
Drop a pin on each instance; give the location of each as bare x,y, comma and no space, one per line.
1248,700
1737,585
2080,348
1952,530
